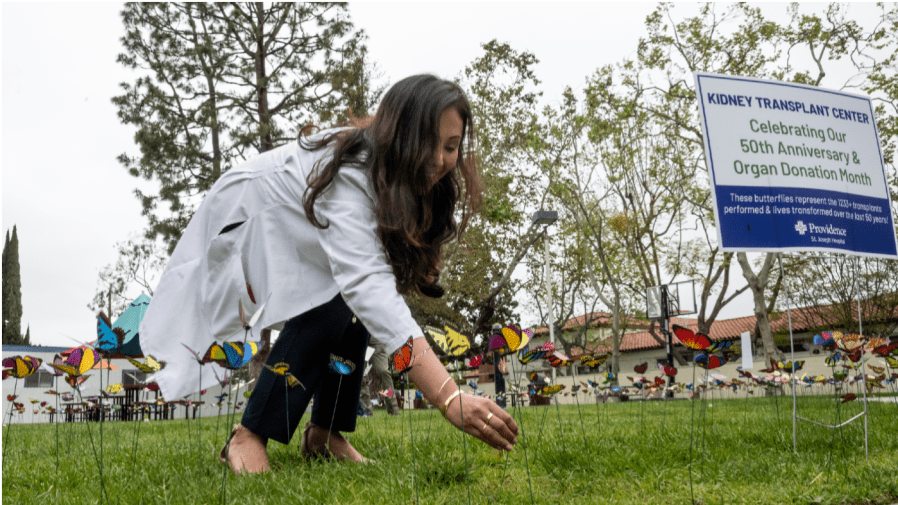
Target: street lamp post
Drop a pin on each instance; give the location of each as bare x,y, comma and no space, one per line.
546,218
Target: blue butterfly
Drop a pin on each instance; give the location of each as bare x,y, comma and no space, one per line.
473,385
108,339
340,365
720,345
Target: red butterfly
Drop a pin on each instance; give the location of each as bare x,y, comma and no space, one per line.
402,360
669,371
849,397
886,349
692,340
659,381
641,368
709,362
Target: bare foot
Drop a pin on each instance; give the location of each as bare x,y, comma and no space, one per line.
245,451
315,441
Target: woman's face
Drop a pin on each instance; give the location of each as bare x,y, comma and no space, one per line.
444,160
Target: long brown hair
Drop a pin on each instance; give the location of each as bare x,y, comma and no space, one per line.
397,147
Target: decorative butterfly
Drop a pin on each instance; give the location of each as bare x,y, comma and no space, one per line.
527,355
692,340
849,397
231,355
641,368
849,342
386,392
668,370
247,394
825,340
834,359
340,365
152,386
840,376
474,361
892,362
20,367
659,381
498,344
876,369
113,388
854,355
790,367
720,345
558,360
149,365
450,340
709,362
551,390
515,338
108,338
886,349
608,377
280,369
871,343
11,398
79,361
75,380
402,360
472,385
248,325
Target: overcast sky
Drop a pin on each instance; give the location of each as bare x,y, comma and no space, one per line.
72,201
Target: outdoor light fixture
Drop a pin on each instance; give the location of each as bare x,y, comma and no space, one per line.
545,217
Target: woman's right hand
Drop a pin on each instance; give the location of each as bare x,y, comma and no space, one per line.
483,419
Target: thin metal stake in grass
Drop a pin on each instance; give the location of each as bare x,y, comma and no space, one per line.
523,439
692,432
224,473
411,431
90,434
55,385
582,429
464,444
9,423
560,427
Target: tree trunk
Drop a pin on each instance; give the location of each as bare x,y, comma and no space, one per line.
758,284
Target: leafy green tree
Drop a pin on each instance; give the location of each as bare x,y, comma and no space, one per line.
12,291
139,263
736,40
222,82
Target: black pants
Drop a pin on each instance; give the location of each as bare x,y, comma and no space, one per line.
306,344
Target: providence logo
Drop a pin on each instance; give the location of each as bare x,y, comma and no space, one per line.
801,228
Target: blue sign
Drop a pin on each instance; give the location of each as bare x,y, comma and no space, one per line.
794,168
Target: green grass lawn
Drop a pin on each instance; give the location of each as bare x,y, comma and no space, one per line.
632,452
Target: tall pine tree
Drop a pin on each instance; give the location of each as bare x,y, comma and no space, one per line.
223,82
12,291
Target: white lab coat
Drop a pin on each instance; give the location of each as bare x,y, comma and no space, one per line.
290,265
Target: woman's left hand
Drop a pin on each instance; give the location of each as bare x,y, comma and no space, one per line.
483,419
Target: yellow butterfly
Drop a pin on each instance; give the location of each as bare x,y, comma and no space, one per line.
150,365
551,390
515,338
451,341
113,388
893,362
281,369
